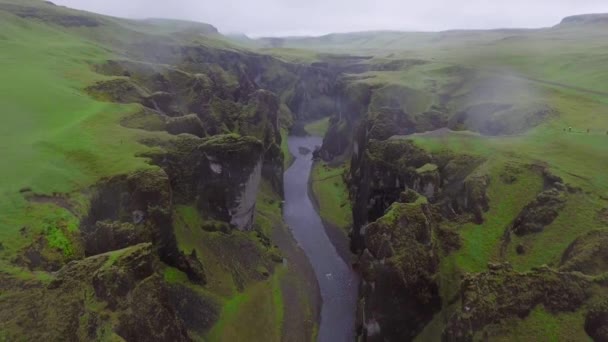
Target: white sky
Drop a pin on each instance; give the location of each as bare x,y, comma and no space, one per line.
316,17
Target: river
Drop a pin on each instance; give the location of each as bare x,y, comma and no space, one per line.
338,283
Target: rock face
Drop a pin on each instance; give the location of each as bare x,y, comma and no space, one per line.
540,213
402,193
399,292
221,175
502,293
80,302
352,104
137,208
385,169
596,322
118,249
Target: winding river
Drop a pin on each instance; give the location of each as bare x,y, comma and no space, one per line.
337,281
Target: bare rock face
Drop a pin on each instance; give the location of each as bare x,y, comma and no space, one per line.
502,293
221,175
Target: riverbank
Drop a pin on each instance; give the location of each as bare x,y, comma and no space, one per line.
338,283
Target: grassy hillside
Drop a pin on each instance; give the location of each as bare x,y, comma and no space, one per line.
57,138
522,100
59,142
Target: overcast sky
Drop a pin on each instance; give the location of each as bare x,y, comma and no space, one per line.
316,17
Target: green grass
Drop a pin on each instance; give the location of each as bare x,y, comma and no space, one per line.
317,128
331,194
173,275
268,210
543,326
578,217
257,312
288,158
56,138
481,243
254,315
427,168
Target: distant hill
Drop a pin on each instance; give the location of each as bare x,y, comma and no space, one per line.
586,19
184,25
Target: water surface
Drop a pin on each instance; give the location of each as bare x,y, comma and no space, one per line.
337,281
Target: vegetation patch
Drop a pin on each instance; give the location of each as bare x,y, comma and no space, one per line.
318,128
331,194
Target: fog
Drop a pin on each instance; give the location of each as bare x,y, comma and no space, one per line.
317,17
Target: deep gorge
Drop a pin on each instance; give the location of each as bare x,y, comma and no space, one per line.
167,183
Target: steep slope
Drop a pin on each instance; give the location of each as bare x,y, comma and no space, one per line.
476,160
144,169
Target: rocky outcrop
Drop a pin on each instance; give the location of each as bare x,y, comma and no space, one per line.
541,212
220,174
152,316
385,169
502,293
137,208
189,124
400,293
596,321
587,254
107,296
386,122
352,104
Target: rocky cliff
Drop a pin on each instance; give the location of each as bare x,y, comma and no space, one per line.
154,253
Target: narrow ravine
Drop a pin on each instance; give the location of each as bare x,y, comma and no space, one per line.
338,283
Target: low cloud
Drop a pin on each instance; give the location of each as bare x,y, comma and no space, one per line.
316,17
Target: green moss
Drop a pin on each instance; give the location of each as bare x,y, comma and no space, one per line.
317,128
256,314
288,158
542,325
577,217
173,275
268,209
481,243
331,194
58,240
427,168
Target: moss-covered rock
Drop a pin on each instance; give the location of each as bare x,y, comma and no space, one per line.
400,291
189,124
107,236
151,317
540,213
198,313
220,174
136,208
146,119
82,301
385,122
121,90
596,321
122,273
432,120
587,254
502,293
